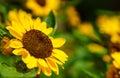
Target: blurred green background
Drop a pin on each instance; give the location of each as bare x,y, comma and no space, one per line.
88,52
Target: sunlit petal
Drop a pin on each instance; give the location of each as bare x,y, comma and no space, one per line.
42,26
14,32
52,64
48,31
37,22
47,71
60,52
60,57
42,62
18,27
20,51
14,43
58,42
32,62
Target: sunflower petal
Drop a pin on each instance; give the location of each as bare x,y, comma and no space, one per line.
14,33
47,71
22,16
38,25
115,56
58,42
32,62
37,22
26,20
52,64
42,26
20,51
13,15
17,51
42,62
26,59
116,64
48,31
30,21
58,62
14,43
18,27
39,71
60,57
60,52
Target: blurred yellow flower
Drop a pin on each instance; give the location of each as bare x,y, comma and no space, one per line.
73,16
5,48
42,7
32,42
110,25
116,59
87,30
115,38
107,58
95,48
99,49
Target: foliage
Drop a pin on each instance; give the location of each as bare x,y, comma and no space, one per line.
83,62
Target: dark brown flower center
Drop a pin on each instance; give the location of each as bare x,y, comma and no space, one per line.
41,2
37,43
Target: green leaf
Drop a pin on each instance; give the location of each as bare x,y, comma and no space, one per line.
6,67
4,32
50,19
30,74
91,71
9,60
51,22
105,12
3,11
11,72
85,64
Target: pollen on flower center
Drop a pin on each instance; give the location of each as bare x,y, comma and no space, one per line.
41,2
37,43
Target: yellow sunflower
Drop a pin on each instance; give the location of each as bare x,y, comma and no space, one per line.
73,16
32,42
116,59
110,25
42,7
5,48
87,29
